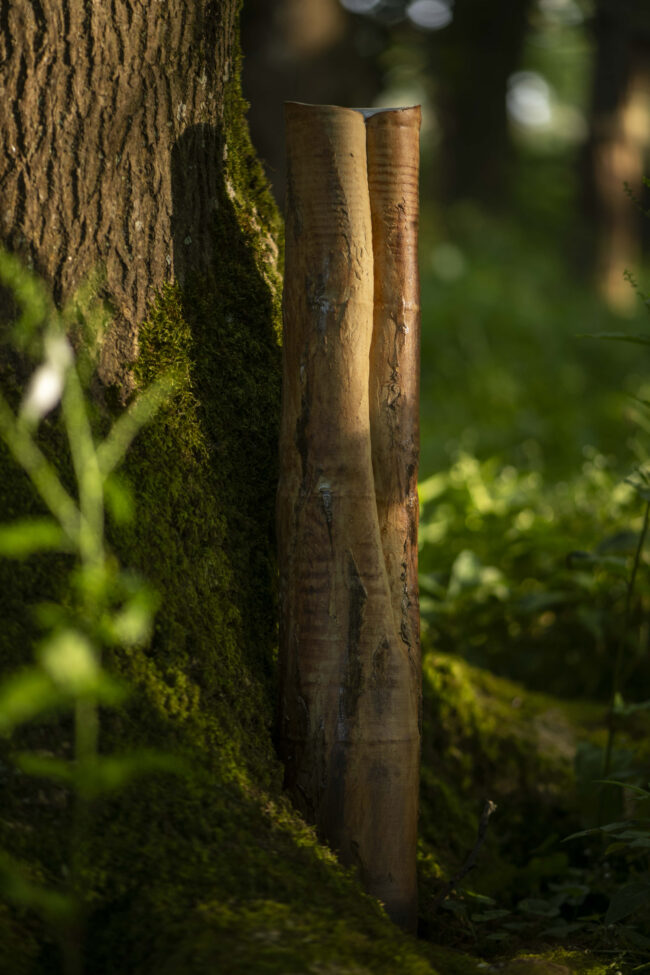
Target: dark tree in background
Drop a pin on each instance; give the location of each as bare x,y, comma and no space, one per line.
471,62
619,136
308,51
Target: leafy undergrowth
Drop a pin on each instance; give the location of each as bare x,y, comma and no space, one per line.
537,757
527,577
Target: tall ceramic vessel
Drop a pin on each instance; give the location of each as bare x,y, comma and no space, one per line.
347,504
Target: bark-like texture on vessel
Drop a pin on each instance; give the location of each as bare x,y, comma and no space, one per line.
348,724
393,140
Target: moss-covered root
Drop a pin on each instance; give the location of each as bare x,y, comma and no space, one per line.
554,962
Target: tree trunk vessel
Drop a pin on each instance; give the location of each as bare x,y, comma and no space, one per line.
347,509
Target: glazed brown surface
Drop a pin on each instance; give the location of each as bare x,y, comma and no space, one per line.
349,673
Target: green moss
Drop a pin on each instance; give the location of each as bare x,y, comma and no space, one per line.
499,743
487,738
557,962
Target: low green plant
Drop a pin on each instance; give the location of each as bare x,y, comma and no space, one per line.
104,604
629,841
500,586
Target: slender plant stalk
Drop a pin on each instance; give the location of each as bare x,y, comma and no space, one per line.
87,472
90,486
43,476
112,450
620,654
81,516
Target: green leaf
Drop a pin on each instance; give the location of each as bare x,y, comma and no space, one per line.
644,793
620,543
26,695
641,490
71,661
540,908
639,941
19,888
119,499
23,537
52,616
95,583
538,602
45,767
490,915
632,708
584,832
626,901
465,573
456,907
473,895
562,930
614,847
615,827
110,773
131,625
573,894
30,295
433,487
639,400
111,452
637,339
109,691
583,559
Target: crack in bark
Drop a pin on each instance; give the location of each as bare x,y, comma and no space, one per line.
352,678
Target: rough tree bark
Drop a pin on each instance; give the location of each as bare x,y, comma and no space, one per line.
123,143
349,659
94,97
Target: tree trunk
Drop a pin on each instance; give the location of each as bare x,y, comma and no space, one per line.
124,144
96,103
471,61
617,148
349,669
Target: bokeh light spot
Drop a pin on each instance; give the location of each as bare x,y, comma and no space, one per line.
529,99
448,262
360,6
430,14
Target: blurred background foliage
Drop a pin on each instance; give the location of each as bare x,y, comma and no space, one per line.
535,142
